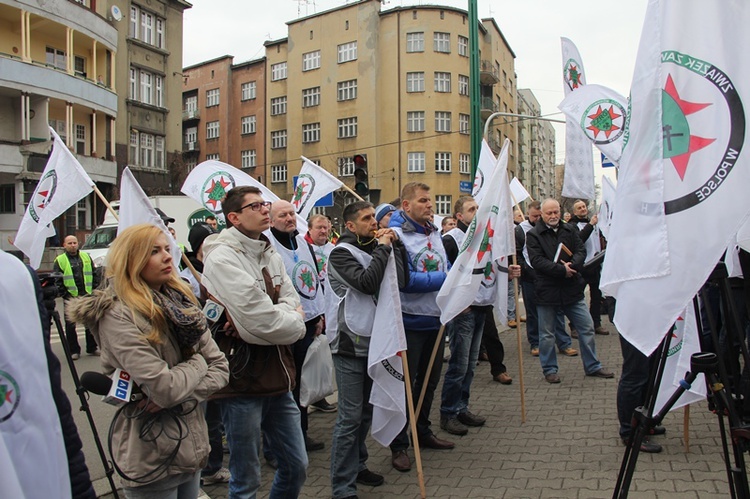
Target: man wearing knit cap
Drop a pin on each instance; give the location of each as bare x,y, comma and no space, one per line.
383,214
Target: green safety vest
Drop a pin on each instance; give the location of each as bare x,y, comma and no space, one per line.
68,279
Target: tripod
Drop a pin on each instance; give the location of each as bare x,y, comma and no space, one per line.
108,469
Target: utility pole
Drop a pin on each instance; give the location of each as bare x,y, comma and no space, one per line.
474,96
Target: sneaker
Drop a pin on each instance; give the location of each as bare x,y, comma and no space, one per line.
313,445
512,323
370,478
75,356
600,330
570,351
523,319
95,352
535,351
453,426
323,406
470,419
221,476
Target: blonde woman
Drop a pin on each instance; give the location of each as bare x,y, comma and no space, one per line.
147,322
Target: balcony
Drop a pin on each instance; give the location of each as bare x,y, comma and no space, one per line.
191,146
191,115
488,73
488,106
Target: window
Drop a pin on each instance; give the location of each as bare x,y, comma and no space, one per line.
442,82
248,158
442,162
159,91
159,153
133,90
147,27
191,104
79,66
191,135
415,162
248,124
415,121
212,97
278,71
463,123
311,97
248,90
278,105
442,42
82,211
464,163
80,139
463,46
415,82
443,204
147,87
212,157
278,173
347,90
347,52
147,150
311,60
415,42
346,166
347,128
212,130
442,121
8,198
159,40
56,58
133,147
463,85
310,133
278,140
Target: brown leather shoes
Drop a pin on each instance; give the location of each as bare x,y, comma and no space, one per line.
433,442
553,378
503,378
400,461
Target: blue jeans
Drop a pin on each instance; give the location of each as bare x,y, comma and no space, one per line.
532,320
213,421
465,340
349,450
278,417
511,301
633,385
182,486
579,316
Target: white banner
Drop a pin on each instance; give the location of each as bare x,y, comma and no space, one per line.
313,183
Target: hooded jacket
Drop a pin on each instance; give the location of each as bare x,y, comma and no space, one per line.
162,374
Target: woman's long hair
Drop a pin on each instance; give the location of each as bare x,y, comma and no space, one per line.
126,259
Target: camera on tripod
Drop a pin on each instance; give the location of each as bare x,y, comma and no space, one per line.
52,287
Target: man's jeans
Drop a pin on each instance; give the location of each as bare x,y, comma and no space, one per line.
349,450
465,332
580,317
511,300
631,391
278,417
532,325
213,421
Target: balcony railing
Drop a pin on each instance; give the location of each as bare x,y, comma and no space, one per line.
488,74
190,114
191,146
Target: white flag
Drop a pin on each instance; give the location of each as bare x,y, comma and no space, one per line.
135,208
578,179
682,345
384,364
313,183
518,191
600,113
30,432
488,242
485,167
607,206
63,183
682,165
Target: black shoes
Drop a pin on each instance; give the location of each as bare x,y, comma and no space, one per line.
646,445
323,406
370,478
601,373
313,445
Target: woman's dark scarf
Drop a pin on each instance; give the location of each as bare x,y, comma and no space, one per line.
186,321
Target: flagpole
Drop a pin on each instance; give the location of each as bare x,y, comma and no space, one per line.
106,203
514,258
435,349
686,428
352,192
413,422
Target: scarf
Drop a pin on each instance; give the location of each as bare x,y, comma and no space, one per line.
186,321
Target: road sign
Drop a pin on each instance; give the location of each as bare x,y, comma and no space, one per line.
606,162
465,186
325,202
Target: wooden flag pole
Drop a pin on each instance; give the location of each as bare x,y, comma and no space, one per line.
686,428
106,203
435,349
518,329
346,187
413,423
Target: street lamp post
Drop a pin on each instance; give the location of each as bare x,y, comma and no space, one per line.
525,116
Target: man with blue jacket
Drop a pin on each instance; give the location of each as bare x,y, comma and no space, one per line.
425,267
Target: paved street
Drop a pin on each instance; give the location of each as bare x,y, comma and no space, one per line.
567,447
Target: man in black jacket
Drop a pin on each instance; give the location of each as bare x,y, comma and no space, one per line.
557,255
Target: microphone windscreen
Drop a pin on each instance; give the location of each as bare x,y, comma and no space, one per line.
95,382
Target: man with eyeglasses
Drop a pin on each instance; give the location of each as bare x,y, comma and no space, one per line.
245,274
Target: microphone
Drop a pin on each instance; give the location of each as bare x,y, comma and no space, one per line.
117,390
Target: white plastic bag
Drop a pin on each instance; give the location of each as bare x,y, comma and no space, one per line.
317,372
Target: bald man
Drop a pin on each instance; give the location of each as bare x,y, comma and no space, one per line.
300,263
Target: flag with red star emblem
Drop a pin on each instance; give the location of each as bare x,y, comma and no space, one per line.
682,189
578,177
62,184
488,242
313,183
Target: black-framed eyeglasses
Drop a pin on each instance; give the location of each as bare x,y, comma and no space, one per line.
256,206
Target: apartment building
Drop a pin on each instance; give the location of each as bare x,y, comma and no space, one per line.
536,148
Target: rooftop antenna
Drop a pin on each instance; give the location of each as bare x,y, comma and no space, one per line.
307,4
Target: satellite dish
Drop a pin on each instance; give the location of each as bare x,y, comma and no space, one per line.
116,13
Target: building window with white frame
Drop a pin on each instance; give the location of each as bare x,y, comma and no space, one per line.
415,162
159,158
158,91
415,42
443,204
248,158
278,105
191,104
346,166
346,90
463,123
310,133
442,42
464,163
212,157
278,71
133,90
278,139
248,124
160,39
415,121
463,85
191,136
442,162
442,81
147,149
347,128
212,97
134,147
278,174
347,52
311,97
146,87
147,27
415,81
248,90
463,46
442,121
311,60
212,130
80,138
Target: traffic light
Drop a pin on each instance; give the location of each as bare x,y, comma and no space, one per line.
361,176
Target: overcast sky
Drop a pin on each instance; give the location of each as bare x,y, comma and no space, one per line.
605,31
